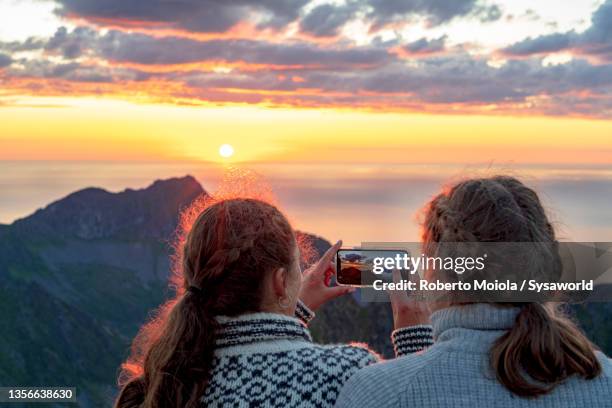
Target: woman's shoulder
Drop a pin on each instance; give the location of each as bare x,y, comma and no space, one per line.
401,367
353,354
606,364
385,381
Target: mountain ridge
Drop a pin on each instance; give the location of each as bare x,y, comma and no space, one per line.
93,213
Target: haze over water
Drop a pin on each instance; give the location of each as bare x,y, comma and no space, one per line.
353,202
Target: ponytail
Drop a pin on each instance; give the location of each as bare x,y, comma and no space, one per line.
540,351
132,394
179,361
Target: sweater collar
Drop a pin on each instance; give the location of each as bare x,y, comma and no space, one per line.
477,316
259,327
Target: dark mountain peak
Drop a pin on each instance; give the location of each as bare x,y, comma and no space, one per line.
87,192
94,213
186,182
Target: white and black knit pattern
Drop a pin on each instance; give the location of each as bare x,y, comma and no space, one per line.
412,339
303,313
269,360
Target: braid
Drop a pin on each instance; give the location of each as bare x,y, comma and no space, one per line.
213,269
446,224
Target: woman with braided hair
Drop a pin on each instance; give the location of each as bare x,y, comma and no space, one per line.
489,354
236,335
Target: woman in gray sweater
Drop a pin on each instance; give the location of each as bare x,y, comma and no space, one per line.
489,354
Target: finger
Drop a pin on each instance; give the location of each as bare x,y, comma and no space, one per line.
397,296
336,291
330,273
328,277
397,276
330,253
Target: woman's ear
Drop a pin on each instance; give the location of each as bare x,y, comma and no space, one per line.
279,282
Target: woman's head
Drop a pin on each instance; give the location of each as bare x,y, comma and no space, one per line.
497,216
243,255
495,209
239,256
543,348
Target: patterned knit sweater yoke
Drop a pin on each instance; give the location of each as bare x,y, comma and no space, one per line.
269,360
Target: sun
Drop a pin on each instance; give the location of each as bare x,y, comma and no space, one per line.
226,150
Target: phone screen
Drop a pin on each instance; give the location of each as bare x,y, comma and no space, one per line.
354,267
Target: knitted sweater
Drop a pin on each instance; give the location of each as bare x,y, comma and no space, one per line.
455,371
269,360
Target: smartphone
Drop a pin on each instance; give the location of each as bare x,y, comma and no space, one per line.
355,267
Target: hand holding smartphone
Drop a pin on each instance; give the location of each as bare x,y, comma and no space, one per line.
357,267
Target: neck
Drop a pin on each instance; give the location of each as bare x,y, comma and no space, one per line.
289,311
273,306
475,316
259,328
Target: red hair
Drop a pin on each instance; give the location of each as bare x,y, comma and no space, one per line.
225,245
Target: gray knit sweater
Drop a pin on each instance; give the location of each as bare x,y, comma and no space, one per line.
455,371
269,360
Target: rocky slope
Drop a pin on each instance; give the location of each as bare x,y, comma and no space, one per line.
77,279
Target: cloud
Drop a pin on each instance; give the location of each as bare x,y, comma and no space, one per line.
541,45
436,12
173,50
5,60
450,80
424,75
531,15
353,257
119,46
308,74
211,16
423,46
326,20
487,14
76,72
595,42
19,46
445,83
71,44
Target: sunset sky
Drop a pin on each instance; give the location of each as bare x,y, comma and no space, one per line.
372,84
306,80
